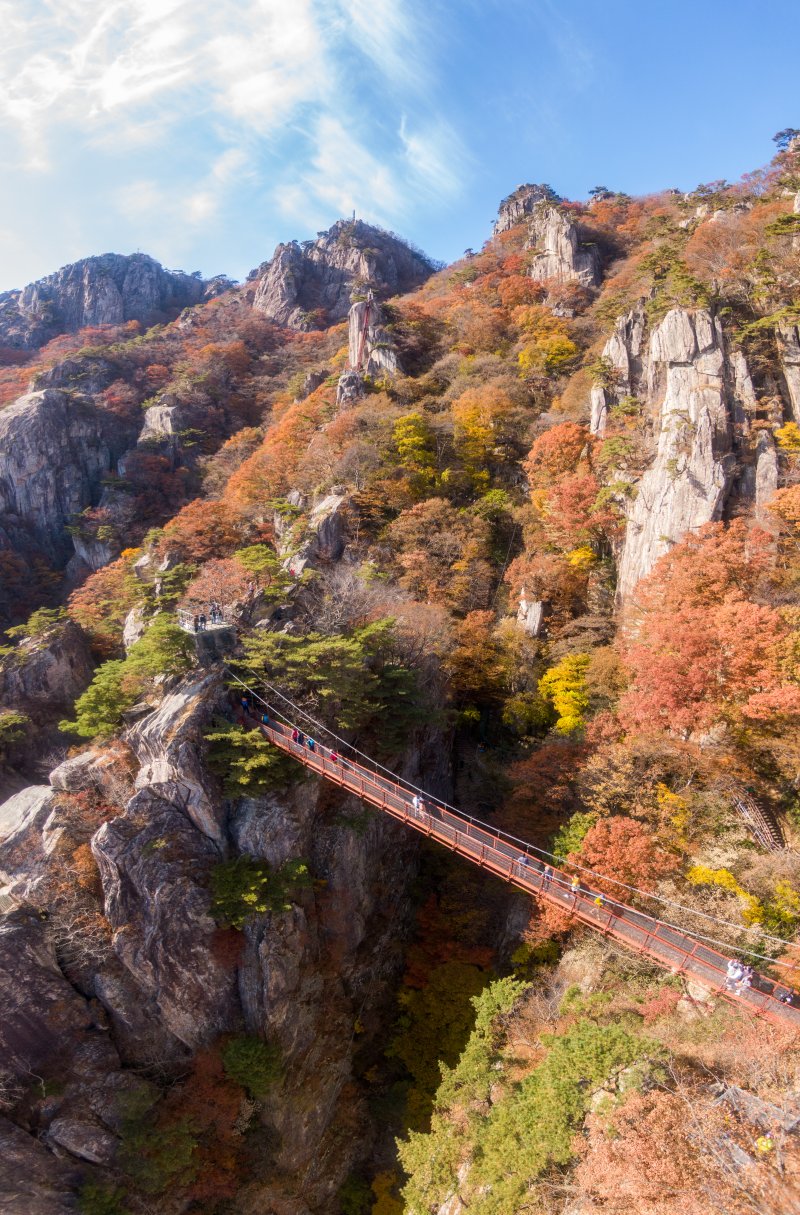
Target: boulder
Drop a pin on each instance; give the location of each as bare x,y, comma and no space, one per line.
84,771
83,1139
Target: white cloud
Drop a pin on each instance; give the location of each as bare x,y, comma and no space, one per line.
191,99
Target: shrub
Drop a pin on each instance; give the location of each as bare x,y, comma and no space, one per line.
246,761
38,624
570,837
94,1199
99,709
165,649
252,1063
12,728
245,886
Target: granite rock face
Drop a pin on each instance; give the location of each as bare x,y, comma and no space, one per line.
520,205
687,386
43,676
55,449
105,290
167,744
623,354
560,256
311,284
153,864
789,346
370,347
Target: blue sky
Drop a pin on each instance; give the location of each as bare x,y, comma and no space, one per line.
205,131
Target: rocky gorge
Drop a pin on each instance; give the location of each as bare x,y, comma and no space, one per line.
524,529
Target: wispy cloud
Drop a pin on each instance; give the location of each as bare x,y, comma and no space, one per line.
325,101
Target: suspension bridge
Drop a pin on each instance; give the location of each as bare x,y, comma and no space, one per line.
666,944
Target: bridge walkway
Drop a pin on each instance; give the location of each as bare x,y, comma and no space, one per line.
669,946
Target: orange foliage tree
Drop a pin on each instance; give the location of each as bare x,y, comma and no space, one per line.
699,650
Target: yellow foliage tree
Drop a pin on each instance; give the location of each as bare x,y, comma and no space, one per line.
564,685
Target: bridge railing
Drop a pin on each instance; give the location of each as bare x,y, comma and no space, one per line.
487,847
190,621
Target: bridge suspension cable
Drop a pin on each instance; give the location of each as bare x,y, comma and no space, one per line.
672,947
543,852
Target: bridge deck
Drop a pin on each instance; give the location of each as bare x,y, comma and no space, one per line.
668,946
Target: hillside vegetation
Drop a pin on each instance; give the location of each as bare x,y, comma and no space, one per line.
562,541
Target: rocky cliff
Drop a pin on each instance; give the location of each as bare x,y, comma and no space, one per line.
693,468
312,284
55,449
520,205
560,255
302,978
370,347
106,290
698,400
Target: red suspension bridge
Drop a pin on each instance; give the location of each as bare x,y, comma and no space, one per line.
667,945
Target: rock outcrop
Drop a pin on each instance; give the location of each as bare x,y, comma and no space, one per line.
154,866
311,284
105,290
370,347
520,205
167,744
560,256
530,615
349,389
687,484
323,536
43,675
789,346
55,449
622,355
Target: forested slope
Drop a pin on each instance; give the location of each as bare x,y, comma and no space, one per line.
539,552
